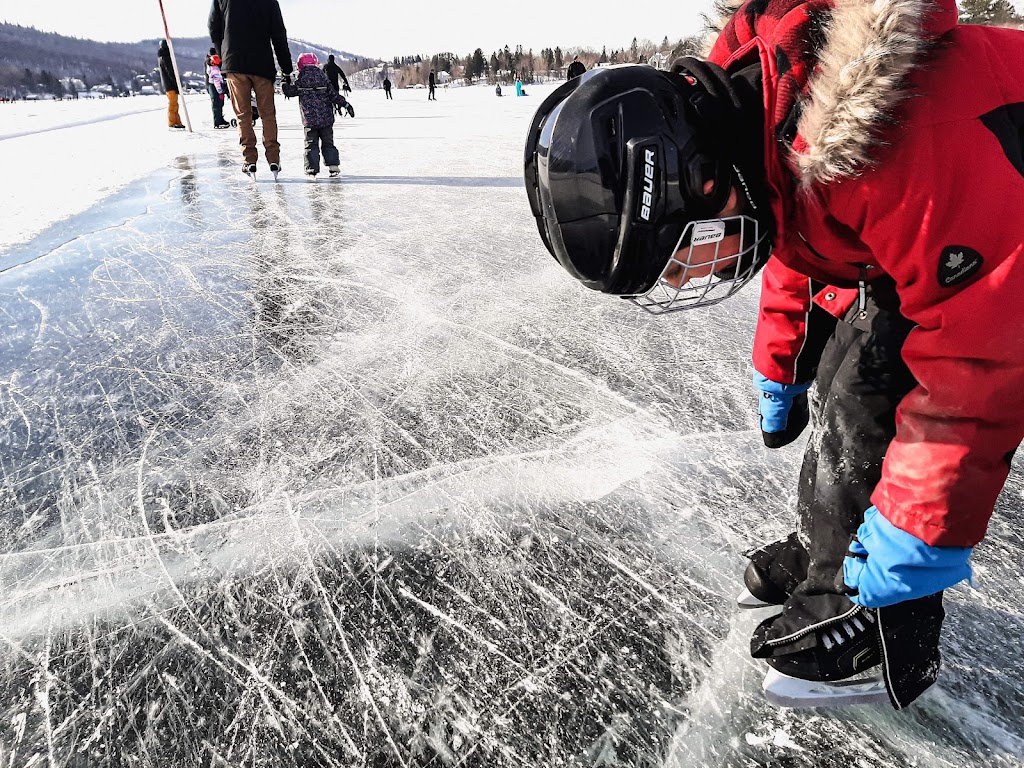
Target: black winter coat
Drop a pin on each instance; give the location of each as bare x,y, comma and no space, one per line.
166,68
247,34
334,72
576,69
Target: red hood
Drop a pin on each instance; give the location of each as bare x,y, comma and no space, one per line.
842,66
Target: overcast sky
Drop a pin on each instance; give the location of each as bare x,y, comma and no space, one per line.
389,28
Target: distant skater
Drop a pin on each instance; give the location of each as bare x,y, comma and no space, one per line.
170,84
431,84
336,74
576,68
387,89
217,89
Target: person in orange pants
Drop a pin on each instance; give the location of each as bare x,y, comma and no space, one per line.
170,85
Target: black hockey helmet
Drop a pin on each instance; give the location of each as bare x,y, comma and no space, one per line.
616,163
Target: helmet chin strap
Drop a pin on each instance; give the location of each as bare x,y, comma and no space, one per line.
732,113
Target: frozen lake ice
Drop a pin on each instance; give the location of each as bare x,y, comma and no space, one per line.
350,473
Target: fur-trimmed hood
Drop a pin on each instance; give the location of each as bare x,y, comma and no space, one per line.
845,70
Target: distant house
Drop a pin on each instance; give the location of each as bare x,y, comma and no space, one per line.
660,60
192,81
73,85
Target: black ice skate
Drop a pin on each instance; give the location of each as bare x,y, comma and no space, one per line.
773,572
311,174
335,171
824,651
249,169
275,168
828,663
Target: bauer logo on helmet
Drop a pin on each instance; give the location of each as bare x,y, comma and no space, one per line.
647,196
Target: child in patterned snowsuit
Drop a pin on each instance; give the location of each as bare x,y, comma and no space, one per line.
317,102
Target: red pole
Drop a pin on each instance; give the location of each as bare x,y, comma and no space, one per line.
174,64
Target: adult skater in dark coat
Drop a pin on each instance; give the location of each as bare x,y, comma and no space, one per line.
387,89
336,75
248,34
576,68
170,85
431,84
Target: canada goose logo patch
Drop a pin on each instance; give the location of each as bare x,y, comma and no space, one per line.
958,264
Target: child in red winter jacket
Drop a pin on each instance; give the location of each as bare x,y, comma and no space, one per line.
867,155
317,102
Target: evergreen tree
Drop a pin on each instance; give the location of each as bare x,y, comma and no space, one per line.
477,67
558,58
604,56
634,51
689,46
990,12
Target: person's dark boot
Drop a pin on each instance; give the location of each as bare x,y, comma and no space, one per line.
774,572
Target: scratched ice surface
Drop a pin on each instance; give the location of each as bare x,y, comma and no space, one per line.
351,474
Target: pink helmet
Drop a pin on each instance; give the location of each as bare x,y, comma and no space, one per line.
308,60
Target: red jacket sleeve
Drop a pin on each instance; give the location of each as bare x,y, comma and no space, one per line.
791,328
952,236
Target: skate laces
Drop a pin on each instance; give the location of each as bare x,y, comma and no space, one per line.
846,630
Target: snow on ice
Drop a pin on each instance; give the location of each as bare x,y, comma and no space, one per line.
351,474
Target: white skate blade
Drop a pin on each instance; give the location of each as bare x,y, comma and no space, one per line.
785,691
747,601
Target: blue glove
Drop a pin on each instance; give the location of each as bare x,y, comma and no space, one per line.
783,410
887,565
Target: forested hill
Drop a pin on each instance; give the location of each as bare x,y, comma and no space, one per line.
28,48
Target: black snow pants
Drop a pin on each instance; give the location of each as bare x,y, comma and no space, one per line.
317,139
217,103
861,378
